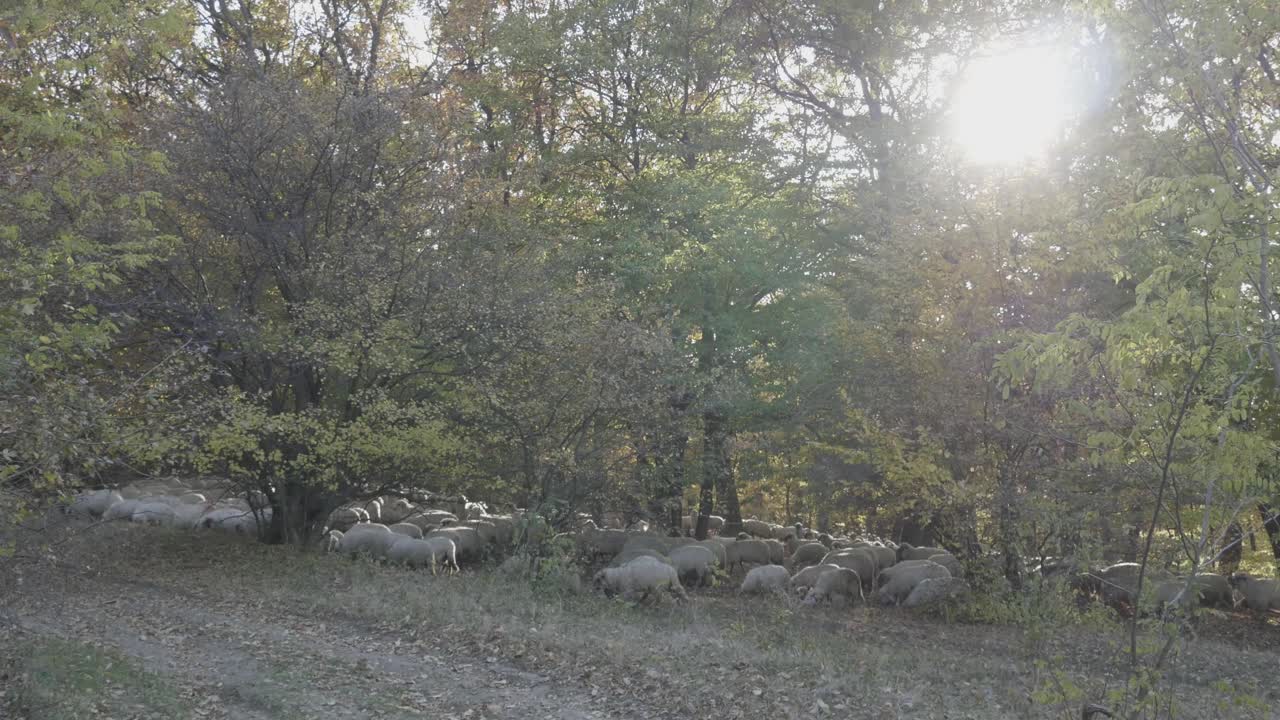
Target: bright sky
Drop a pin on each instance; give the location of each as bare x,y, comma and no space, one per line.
1008,107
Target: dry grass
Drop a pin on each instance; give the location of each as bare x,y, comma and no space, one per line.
719,655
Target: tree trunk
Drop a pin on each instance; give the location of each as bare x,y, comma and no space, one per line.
1008,532
1271,522
728,486
704,510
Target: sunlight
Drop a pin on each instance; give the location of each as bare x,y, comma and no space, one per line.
1009,107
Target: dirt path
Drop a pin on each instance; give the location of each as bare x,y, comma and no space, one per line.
239,659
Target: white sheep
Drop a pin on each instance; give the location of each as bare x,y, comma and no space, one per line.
859,560
766,578
192,498
897,582
373,539
331,541
1259,594
94,502
907,552
808,554
803,580
428,553
120,510
757,528
152,513
407,529
395,511
840,584
948,561
639,579
742,552
933,590
694,564
467,541
777,551
187,516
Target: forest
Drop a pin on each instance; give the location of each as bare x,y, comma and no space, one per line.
988,276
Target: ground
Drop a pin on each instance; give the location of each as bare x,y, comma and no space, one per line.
128,622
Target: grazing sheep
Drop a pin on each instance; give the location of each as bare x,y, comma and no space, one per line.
805,579
897,582
120,510
468,544
777,551
406,529
429,553
694,564
487,531
885,557
473,510
129,492
192,498
395,511
594,544
1117,584
757,528
152,513
808,554
94,502
639,579
373,539
859,560
715,523
907,552
766,578
826,540
374,509
742,552
1207,590
188,517
331,541
717,549
1259,594
344,517
504,528
644,541
782,532
425,518
627,556
840,584
934,590
948,561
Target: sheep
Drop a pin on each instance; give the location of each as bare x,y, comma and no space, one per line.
826,539
859,560
192,498
766,578
639,579
885,557
715,523
1208,590
504,528
627,556
373,539
747,551
420,553
152,513
1116,585
777,551
907,552
782,532
486,530
694,564
95,502
933,590
406,529
472,510
331,541
120,510
803,580
717,549
636,541
345,517
948,561
467,541
424,518
129,492
897,582
593,544
188,516
757,528
840,583
374,509
808,554
1259,594
395,511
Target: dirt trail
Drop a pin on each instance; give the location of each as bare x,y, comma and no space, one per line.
239,659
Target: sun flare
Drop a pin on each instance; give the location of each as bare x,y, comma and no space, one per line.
1009,107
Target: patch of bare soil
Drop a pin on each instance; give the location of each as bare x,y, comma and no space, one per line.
234,658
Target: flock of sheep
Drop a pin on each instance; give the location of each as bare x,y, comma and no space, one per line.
641,564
